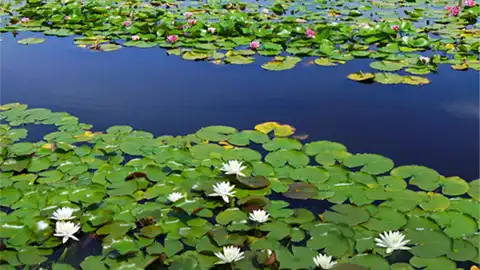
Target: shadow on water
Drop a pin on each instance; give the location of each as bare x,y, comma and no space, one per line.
163,94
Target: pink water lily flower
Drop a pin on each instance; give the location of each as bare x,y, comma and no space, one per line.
67,18
192,22
127,23
134,38
25,20
395,27
212,30
172,38
188,14
310,33
453,10
254,45
470,3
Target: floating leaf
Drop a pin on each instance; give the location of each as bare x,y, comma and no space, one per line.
373,164
281,63
31,41
361,77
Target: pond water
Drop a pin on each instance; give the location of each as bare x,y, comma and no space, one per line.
436,125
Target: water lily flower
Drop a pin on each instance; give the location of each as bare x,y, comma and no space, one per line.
172,38
454,10
192,22
254,45
67,18
424,59
127,23
470,3
24,20
324,261
309,33
188,14
64,213
392,241
66,229
223,190
395,27
175,196
259,216
230,254
42,225
265,11
134,38
212,30
405,39
235,166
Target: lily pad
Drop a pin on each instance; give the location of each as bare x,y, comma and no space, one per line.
31,41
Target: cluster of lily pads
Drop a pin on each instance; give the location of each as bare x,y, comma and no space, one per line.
414,36
221,198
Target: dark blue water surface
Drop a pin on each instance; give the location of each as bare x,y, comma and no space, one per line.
436,125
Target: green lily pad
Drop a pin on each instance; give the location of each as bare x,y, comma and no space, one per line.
433,263
281,63
388,78
31,41
300,190
373,164
347,214
387,65
239,60
361,77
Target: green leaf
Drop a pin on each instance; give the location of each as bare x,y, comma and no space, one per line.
372,164
93,262
30,256
239,60
433,263
371,261
216,133
423,177
62,266
31,41
347,214
281,63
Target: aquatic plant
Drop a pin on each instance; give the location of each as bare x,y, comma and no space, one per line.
147,201
391,33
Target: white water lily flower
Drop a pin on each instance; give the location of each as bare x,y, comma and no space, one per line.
259,216
233,167
223,190
64,213
66,229
230,254
324,261
265,11
392,241
424,59
175,196
42,225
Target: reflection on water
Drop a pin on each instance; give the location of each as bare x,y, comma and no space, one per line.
463,109
164,94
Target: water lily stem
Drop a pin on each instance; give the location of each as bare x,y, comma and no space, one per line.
460,3
233,267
